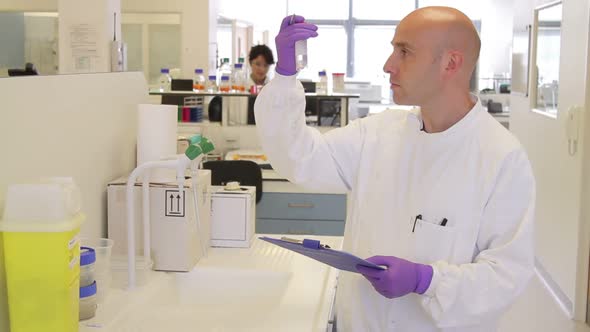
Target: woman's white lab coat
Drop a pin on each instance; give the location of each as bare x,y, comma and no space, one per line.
475,174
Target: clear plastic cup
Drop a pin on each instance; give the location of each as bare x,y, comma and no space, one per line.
102,271
88,300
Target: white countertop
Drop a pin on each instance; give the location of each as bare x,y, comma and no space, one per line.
262,288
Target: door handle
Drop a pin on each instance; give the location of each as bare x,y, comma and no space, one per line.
301,205
574,115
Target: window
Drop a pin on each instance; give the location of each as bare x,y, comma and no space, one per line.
372,47
547,43
167,52
265,14
382,9
469,7
133,38
324,9
329,52
224,41
153,42
355,35
41,36
369,28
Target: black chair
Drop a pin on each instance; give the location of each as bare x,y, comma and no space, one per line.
251,117
29,70
246,172
215,109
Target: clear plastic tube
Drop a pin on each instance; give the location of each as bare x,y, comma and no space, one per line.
301,54
300,50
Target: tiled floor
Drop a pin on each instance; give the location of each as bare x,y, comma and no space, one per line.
536,311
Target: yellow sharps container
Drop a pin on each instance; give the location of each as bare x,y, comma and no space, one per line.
40,229
3,298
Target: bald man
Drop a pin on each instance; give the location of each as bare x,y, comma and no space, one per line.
442,198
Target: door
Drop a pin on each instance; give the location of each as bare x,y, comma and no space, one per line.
544,121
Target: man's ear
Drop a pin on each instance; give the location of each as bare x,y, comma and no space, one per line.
453,62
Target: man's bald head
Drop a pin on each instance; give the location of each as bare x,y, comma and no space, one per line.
435,50
446,29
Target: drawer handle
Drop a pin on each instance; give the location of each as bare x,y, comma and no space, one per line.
301,205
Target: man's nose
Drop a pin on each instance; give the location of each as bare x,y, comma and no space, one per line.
388,67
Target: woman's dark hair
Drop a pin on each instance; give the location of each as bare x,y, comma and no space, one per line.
263,50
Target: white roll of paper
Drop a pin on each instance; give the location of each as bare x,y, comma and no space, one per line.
156,138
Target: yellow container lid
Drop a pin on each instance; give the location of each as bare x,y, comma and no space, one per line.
49,205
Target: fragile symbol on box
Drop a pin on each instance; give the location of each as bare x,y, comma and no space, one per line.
174,203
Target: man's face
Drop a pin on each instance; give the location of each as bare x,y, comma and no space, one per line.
413,67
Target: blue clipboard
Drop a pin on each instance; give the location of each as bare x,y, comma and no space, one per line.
313,249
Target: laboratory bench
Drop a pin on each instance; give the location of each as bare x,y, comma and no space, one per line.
321,110
261,288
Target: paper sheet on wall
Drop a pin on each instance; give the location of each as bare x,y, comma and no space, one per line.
84,46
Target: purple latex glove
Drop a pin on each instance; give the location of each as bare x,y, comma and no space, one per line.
286,39
401,277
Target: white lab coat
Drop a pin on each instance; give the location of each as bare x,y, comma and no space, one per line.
251,81
475,174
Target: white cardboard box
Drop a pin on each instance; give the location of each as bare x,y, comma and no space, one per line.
233,217
176,240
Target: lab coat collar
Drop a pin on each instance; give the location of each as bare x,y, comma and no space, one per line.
466,122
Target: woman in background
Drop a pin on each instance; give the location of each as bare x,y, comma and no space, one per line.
260,59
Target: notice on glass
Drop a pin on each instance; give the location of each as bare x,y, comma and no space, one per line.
84,46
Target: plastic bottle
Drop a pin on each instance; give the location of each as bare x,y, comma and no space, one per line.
245,69
338,82
164,80
237,79
224,86
212,84
199,81
224,70
322,85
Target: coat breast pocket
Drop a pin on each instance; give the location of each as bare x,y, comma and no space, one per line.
433,242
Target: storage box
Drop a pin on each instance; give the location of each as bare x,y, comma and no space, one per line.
233,216
177,241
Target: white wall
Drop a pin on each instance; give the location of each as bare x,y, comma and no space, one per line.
82,126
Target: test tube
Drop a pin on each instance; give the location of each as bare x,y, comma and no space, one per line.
300,50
